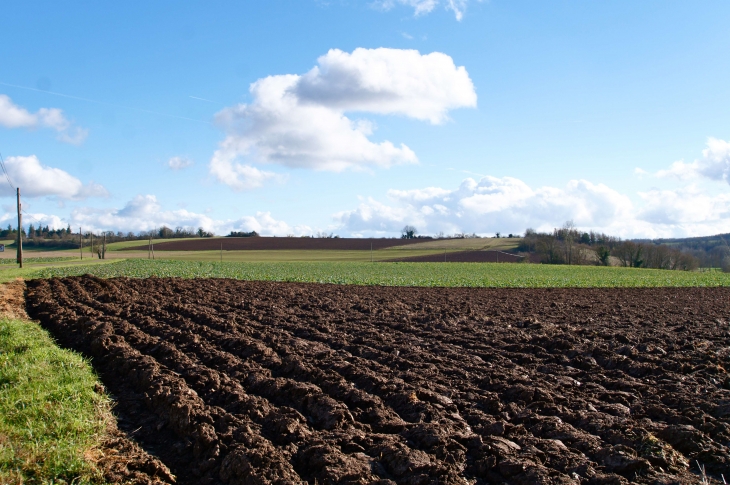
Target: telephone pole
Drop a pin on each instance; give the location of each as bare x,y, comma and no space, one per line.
20,227
81,244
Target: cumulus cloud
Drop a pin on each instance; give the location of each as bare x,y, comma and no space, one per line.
422,7
142,213
264,224
179,163
145,213
36,218
298,121
14,116
37,180
388,81
508,204
236,175
490,205
714,164
687,205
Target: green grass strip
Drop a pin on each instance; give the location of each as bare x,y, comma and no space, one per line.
50,415
54,259
486,275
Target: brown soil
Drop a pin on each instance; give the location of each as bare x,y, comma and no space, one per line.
464,257
274,243
121,460
12,299
255,383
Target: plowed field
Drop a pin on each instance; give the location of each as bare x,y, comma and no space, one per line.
251,383
281,243
464,257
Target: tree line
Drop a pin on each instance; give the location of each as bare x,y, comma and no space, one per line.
568,245
44,237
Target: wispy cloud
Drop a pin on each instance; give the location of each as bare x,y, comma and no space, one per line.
105,103
179,163
201,99
423,7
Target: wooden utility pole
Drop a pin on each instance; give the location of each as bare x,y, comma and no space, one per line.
92,245
371,251
103,247
20,227
81,244
149,248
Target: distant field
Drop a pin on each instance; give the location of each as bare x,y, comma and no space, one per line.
402,274
465,244
479,256
282,255
276,243
141,242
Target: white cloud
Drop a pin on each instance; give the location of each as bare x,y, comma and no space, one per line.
422,7
714,164
299,121
490,205
14,116
679,170
509,205
388,81
687,205
236,175
38,219
178,163
144,213
37,180
266,225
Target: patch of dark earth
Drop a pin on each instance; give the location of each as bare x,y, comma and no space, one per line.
480,256
241,382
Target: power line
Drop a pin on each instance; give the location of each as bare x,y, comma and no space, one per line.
2,163
31,216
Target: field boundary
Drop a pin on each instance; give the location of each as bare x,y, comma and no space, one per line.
64,431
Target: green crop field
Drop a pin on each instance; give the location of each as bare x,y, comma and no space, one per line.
400,274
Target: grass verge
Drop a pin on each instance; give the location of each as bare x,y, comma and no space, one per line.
51,420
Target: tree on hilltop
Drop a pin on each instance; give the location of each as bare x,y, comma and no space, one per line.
409,232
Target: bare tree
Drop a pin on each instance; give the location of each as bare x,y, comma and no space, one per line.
409,232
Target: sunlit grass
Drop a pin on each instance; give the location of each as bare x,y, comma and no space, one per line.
50,416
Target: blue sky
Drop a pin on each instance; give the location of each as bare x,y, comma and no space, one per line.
452,116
